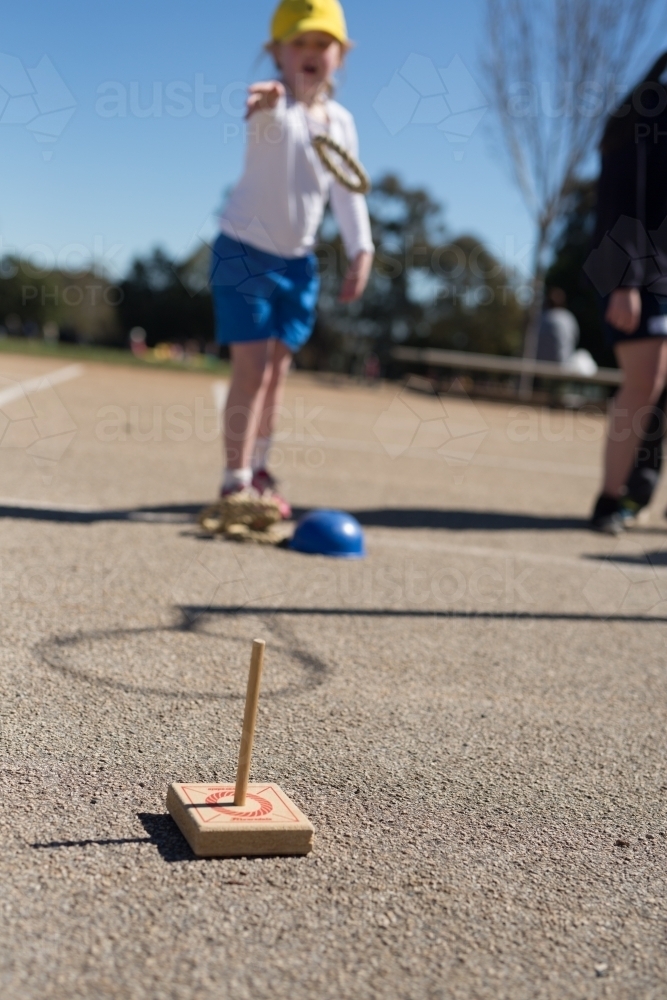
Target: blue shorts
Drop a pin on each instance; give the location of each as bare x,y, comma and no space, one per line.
653,322
257,295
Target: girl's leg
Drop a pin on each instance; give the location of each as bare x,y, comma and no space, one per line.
644,364
279,365
250,375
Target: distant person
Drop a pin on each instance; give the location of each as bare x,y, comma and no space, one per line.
264,276
559,330
559,335
629,269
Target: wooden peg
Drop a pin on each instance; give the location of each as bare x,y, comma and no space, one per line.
241,820
249,720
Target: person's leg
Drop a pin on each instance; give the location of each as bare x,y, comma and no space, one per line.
644,364
278,368
262,480
293,316
250,373
661,415
645,472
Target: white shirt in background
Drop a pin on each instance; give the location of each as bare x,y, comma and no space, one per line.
558,336
278,204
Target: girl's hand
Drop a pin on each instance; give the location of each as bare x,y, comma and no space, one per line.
356,279
625,309
263,96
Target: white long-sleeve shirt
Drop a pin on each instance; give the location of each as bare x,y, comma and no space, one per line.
278,204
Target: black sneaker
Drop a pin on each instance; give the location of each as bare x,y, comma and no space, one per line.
607,516
632,511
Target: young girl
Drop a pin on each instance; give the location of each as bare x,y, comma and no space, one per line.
263,271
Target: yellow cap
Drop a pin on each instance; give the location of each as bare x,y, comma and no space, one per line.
294,17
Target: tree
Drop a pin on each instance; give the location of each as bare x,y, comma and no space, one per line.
157,295
407,227
81,303
425,289
13,298
476,308
554,70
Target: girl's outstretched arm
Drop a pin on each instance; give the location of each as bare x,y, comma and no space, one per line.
263,96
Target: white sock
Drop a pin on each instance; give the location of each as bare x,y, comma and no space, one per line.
236,477
260,455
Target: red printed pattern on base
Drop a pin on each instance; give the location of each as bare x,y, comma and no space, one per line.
264,807
271,806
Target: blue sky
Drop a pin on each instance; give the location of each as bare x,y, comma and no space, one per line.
129,174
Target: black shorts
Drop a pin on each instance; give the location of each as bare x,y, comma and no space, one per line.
652,324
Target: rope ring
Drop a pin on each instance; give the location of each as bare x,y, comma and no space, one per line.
363,185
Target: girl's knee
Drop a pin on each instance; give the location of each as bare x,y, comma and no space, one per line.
277,371
273,378
251,378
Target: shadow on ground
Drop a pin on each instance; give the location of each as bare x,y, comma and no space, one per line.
463,520
382,517
356,612
648,559
399,517
162,833
164,514
52,652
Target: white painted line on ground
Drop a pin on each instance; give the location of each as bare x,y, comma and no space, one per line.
532,465
220,391
507,462
39,384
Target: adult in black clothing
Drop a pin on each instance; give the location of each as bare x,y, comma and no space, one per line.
629,269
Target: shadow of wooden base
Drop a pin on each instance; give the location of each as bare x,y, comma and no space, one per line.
162,834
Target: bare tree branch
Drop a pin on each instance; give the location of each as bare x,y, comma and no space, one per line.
555,69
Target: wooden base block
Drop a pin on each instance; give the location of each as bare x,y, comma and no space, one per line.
268,824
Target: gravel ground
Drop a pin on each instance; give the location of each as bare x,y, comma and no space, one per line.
473,718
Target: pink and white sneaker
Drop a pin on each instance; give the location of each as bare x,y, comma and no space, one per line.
239,488
267,486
